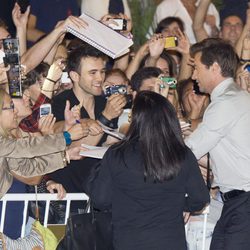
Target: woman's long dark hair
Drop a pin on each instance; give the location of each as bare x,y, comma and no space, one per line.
156,127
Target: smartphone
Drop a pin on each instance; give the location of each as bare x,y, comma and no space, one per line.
121,24
65,78
171,41
45,109
12,58
23,5
197,89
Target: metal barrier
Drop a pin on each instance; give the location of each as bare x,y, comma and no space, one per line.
47,197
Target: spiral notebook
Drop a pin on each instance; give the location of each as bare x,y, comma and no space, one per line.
102,37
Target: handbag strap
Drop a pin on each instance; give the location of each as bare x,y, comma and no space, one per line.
88,207
208,172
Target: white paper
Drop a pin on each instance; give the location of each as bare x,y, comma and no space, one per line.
93,151
102,37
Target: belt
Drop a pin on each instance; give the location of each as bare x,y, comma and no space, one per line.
231,194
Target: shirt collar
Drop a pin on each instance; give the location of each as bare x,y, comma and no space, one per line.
219,89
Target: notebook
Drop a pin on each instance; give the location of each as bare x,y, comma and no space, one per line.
102,37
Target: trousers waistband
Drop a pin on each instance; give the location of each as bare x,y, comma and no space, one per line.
231,194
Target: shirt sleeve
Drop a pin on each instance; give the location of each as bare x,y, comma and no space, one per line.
217,122
196,190
101,186
30,123
30,147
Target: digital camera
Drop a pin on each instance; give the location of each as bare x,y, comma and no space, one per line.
169,81
115,89
119,89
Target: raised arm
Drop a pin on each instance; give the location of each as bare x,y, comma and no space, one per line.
20,20
239,45
199,20
38,52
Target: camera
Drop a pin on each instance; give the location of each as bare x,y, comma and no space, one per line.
171,41
12,58
115,89
121,24
171,81
119,89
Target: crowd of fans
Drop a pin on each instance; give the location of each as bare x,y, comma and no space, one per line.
185,114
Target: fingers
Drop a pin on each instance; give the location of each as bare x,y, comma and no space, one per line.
186,216
53,186
46,124
67,106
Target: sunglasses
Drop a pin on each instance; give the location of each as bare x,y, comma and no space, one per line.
12,106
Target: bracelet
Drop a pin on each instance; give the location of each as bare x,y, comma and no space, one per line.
102,119
47,90
244,60
65,163
51,80
67,137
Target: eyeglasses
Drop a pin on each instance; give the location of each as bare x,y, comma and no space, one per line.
12,106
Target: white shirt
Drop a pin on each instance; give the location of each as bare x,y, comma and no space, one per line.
225,133
175,8
98,8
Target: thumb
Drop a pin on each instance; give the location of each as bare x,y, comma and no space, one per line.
67,107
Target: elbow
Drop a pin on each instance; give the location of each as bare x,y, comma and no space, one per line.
197,205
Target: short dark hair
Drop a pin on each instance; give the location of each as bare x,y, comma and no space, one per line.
168,58
164,23
142,74
155,125
217,50
33,75
83,51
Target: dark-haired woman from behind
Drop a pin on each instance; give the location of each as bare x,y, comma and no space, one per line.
149,179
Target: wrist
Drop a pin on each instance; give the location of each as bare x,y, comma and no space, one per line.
106,115
50,79
245,60
105,121
67,138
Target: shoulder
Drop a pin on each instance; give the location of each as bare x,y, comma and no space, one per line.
63,97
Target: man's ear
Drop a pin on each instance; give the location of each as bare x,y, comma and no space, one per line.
74,76
216,68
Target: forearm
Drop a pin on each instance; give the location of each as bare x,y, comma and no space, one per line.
133,66
34,34
31,147
199,20
89,140
239,44
151,61
40,50
185,69
122,62
21,35
36,166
